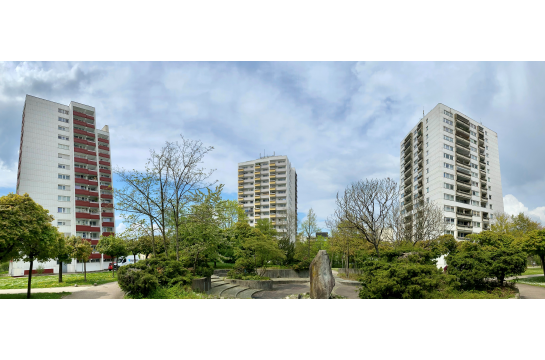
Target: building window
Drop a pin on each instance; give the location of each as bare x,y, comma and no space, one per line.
63,128
474,174
474,183
64,147
476,213
448,176
473,149
486,140
449,208
476,224
486,154
473,132
426,123
448,147
448,156
427,180
63,210
427,170
490,188
63,156
449,130
449,232
63,137
426,136
449,186
485,133
448,138
490,206
475,193
427,161
426,152
63,198
448,113
426,144
427,190
474,166
63,111
64,166
449,220
63,120
449,197
448,166
448,121
473,157
64,187
63,223
474,203
490,197
64,177
488,163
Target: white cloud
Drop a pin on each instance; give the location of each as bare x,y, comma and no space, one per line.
8,175
513,206
120,228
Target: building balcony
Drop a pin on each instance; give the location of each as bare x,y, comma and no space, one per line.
83,203
83,215
106,196
464,227
464,215
107,234
83,123
87,228
463,194
105,187
460,144
77,113
104,155
93,204
105,171
107,224
105,148
106,205
108,214
105,179
103,140
84,142
83,132
82,192
83,151
105,163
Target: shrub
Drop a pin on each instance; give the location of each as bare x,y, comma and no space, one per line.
243,267
4,267
302,265
146,276
40,269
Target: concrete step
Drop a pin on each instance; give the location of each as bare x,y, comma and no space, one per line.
247,294
217,290
233,292
218,283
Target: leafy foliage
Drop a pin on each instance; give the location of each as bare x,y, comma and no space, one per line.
146,276
534,243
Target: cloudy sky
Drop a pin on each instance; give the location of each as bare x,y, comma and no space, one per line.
338,122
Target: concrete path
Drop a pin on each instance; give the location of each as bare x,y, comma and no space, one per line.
105,291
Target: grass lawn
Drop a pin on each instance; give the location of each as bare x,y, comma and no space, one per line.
176,292
35,296
51,281
498,293
533,271
349,277
537,281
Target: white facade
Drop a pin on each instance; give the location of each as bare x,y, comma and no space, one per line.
452,160
65,166
267,189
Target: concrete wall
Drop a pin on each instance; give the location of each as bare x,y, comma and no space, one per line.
202,284
253,284
286,273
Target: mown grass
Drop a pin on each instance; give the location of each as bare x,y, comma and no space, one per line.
496,293
349,277
36,296
533,271
52,281
536,280
175,292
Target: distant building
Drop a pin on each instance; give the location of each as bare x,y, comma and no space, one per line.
267,189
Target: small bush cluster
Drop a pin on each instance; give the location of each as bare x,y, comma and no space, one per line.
145,277
302,265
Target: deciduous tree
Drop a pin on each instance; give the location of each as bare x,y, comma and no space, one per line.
534,243
309,226
112,246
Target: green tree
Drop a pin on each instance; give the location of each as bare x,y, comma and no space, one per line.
113,246
523,225
534,243
145,244
62,252
80,250
502,224
27,233
133,247
309,226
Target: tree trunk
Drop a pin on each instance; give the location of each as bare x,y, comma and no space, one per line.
60,271
30,278
85,271
113,267
177,244
542,258
152,236
134,258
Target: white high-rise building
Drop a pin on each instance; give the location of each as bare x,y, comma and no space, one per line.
267,189
452,160
65,166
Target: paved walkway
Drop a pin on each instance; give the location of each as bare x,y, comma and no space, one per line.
105,291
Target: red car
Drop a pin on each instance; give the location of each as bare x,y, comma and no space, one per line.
112,266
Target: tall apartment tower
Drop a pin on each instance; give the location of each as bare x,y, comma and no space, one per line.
267,189
65,166
452,160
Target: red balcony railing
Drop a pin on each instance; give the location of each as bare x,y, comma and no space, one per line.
108,233
84,142
82,181
106,163
106,196
105,187
93,204
95,256
105,205
107,214
95,229
83,151
80,215
105,179
80,170
107,224
92,182
82,192
83,228
93,193
77,113
80,160
83,132
92,172
107,156
83,123
103,140
83,203
104,148
105,171
95,217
